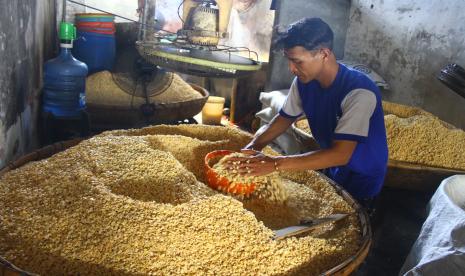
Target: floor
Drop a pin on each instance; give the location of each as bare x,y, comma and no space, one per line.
400,215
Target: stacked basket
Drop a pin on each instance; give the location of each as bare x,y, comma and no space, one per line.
96,40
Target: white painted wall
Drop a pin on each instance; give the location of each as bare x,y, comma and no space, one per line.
408,42
166,11
121,7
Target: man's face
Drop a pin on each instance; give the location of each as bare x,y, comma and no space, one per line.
304,64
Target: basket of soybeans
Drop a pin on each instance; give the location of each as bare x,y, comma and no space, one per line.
303,134
136,202
423,150
108,104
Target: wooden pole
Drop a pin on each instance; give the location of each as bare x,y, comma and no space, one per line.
232,116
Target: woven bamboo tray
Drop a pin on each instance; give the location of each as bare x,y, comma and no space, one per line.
7,268
306,139
351,264
345,268
400,174
130,117
411,176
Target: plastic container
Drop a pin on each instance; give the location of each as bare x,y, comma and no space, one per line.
96,42
94,17
105,25
95,24
96,50
64,79
212,111
97,27
103,31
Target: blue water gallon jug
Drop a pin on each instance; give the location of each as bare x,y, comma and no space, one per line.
64,79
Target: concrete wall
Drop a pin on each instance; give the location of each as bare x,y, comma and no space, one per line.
408,42
27,35
120,7
334,12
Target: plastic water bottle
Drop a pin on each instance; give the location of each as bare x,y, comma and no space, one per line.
65,79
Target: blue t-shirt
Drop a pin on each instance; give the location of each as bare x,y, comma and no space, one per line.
349,109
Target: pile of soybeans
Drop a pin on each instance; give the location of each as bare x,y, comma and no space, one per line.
101,89
134,202
419,137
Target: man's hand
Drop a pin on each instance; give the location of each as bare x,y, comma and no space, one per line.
251,152
255,165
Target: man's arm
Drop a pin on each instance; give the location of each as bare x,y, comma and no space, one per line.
276,127
338,155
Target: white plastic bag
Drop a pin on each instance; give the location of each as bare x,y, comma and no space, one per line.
440,247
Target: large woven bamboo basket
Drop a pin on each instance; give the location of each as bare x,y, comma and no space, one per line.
7,268
345,268
304,138
131,117
411,176
400,174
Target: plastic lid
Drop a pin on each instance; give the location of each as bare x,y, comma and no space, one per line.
67,31
108,15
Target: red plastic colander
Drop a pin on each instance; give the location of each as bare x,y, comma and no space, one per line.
221,183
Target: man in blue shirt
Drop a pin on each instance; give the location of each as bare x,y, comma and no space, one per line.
344,111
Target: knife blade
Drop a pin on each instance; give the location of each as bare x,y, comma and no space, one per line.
306,225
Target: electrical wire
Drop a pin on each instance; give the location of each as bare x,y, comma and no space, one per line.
125,18
179,15
227,48
221,48
224,48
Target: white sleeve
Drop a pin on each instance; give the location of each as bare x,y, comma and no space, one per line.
292,106
357,108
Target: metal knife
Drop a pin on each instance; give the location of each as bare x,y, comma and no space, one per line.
306,226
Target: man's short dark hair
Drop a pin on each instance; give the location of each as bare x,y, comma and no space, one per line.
310,33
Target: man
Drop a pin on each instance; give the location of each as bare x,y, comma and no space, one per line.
344,111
